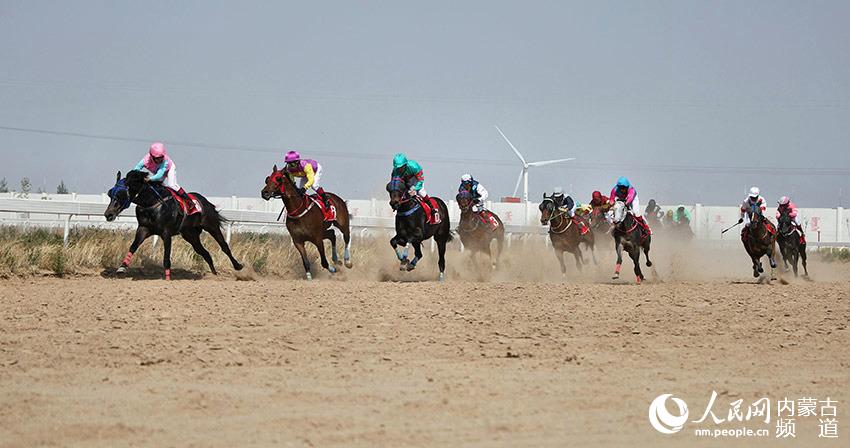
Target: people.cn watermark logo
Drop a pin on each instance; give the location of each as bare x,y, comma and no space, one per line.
662,420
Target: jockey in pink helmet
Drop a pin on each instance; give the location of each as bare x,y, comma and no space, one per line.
305,173
162,169
786,204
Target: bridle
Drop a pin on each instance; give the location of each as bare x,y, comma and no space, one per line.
278,178
556,213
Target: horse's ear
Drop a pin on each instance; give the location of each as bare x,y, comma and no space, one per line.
274,170
118,176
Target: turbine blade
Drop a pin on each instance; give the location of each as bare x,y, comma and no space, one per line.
521,158
518,181
549,162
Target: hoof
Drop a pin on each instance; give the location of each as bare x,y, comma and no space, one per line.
648,264
121,270
411,267
755,274
237,266
615,276
442,277
309,276
332,269
349,264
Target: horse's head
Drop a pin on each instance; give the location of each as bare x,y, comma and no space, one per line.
464,200
274,184
547,209
398,192
786,223
119,198
756,216
278,185
618,211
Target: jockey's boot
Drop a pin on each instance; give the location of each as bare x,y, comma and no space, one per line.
434,212
190,204
324,196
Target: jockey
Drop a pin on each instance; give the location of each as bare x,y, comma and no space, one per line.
565,203
786,204
478,192
600,202
624,191
753,201
653,211
305,173
411,174
161,168
682,216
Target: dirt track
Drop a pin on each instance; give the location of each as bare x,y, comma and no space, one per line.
104,362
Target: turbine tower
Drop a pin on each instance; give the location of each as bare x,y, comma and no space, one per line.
523,175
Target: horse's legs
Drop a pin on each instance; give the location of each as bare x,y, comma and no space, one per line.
193,236
299,246
756,266
494,258
166,261
141,234
395,242
320,246
331,235
635,255
646,252
417,255
579,258
441,251
803,259
619,249
561,259
215,232
346,253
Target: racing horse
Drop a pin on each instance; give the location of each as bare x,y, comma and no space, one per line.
759,238
476,231
411,226
599,225
791,244
630,235
305,220
159,213
565,234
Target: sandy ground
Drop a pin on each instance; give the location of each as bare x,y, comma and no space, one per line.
515,360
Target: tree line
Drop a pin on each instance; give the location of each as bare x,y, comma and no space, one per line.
26,187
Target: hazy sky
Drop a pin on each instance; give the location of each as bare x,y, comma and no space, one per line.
693,100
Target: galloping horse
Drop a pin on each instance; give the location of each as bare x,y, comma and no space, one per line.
598,224
475,230
306,222
158,213
791,245
759,239
411,227
629,234
565,233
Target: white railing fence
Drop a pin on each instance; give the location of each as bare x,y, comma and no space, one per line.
824,226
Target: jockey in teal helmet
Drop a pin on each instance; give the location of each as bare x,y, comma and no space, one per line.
411,174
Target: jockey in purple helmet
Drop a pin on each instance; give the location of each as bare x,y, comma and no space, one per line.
161,168
305,173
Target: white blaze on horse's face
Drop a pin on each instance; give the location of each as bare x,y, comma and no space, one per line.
619,211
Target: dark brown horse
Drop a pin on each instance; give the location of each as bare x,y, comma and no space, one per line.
476,232
565,234
759,238
305,221
599,224
630,235
791,243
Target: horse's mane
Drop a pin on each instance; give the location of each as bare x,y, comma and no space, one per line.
136,176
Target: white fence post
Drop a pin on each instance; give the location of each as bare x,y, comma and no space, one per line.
229,231
67,230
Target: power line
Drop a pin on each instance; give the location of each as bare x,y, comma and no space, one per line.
667,168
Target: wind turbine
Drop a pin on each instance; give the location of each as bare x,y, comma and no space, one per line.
523,175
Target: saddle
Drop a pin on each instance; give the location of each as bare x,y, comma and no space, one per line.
431,209
582,224
328,213
745,232
488,218
188,209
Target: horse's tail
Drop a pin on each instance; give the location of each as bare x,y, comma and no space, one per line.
210,212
